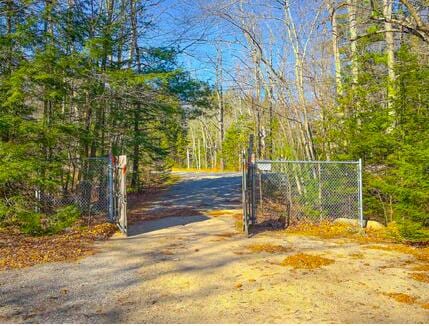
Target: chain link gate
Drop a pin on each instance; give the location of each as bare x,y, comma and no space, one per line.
96,186
280,193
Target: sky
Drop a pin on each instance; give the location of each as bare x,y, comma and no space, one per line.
186,25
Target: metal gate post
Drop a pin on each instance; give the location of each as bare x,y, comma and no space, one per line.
244,194
121,214
360,194
250,179
110,187
253,194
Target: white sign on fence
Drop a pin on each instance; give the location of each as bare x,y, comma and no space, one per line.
264,166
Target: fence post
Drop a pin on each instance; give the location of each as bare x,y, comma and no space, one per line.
253,164
360,194
121,213
110,186
250,178
244,192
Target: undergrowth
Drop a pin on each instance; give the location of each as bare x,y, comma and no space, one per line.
393,233
39,224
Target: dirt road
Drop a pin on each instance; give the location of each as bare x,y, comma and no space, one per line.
198,269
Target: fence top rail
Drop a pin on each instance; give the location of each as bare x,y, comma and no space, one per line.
316,162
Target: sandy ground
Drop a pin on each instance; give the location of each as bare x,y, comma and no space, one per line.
197,269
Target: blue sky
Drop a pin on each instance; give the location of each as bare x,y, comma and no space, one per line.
184,20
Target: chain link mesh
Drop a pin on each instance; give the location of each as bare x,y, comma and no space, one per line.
288,192
85,184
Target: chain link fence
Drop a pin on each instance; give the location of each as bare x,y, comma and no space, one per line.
87,184
294,191
277,194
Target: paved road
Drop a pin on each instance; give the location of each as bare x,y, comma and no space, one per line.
205,191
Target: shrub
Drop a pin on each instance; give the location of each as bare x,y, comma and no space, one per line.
39,224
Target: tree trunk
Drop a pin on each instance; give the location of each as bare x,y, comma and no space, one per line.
390,52
335,49
219,93
351,10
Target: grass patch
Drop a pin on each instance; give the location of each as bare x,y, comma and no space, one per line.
269,248
401,297
304,261
425,305
421,277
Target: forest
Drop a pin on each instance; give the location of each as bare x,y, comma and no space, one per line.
312,80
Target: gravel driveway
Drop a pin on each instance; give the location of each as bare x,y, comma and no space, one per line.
87,291
196,269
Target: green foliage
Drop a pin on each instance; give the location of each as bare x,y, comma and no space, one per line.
30,223
236,140
412,231
63,218
393,140
71,87
38,224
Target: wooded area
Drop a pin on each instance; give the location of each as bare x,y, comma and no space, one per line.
325,80
313,80
77,82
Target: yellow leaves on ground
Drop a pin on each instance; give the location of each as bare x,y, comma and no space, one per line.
236,214
421,254
267,247
421,277
18,251
329,230
357,255
305,261
421,268
401,297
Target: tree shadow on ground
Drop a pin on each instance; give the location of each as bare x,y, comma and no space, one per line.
163,223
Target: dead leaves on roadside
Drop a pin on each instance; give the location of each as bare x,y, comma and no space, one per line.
18,251
305,261
268,248
421,277
401,297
